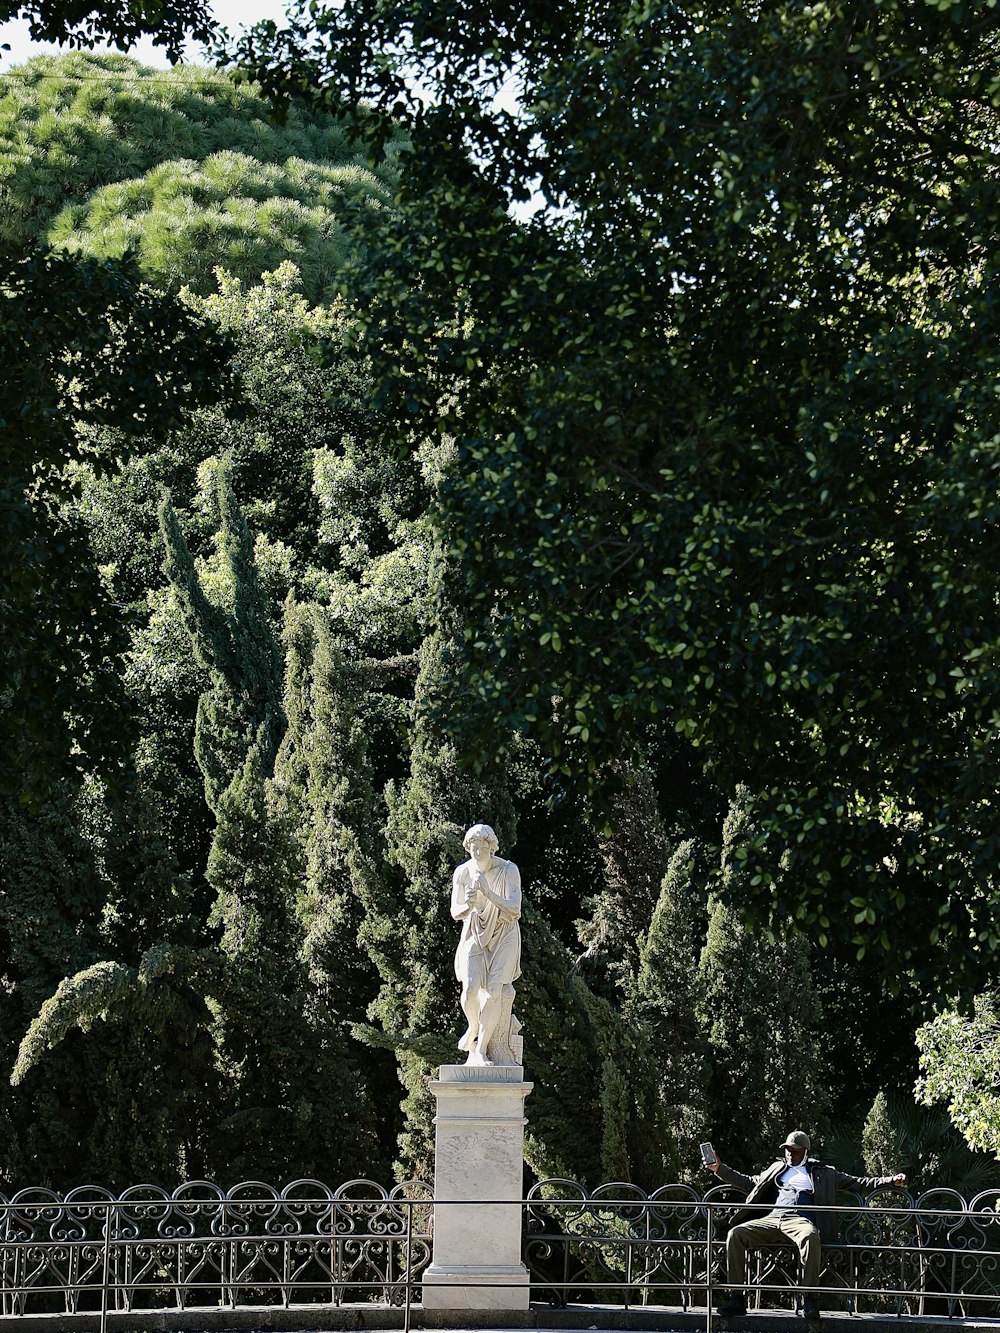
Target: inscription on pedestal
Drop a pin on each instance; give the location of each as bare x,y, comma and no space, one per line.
481,1074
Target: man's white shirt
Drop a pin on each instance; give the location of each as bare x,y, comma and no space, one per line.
796,1176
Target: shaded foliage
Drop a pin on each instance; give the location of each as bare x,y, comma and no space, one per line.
723,408
631,497
85,346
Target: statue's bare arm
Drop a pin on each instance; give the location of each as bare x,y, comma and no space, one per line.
509,903
460,904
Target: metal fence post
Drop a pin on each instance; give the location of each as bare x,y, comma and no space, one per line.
106,1273
708,1270
334,1268
408,1272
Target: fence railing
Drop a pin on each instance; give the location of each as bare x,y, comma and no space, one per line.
201,1246
936,1254
147,1249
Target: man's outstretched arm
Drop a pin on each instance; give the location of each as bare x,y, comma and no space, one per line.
867,1183
730,1175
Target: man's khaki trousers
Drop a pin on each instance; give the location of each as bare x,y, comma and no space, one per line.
774,1229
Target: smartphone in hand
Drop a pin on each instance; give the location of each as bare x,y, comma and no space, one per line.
708,1154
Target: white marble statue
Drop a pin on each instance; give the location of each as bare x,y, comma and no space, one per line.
486,898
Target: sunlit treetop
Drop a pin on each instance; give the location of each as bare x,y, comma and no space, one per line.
114,153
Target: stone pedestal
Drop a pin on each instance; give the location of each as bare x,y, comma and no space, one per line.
478,1185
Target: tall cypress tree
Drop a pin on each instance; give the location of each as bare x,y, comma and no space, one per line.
762,1018
594,1113
635,851
413,940
234,640
665,999
322,780
322,784
291,1082
881,1141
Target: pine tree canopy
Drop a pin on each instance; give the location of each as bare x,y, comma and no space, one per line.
100,155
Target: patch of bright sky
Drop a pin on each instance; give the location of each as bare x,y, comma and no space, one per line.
232,14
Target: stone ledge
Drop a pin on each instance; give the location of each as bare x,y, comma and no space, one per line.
591,1318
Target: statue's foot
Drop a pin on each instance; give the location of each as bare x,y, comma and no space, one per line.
468,1042
476,1059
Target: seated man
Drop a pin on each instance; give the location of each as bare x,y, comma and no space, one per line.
787,1188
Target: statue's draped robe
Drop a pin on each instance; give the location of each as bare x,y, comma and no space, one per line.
490,934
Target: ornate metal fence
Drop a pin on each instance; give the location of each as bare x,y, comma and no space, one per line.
200,1246
203,1246
937,1254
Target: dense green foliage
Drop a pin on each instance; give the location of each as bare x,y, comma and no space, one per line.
300,828
85,347
960,1066
232,955
724,408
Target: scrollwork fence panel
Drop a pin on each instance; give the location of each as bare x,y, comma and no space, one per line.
202,1246
894,1255
253,1245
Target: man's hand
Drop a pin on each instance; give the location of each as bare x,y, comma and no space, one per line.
713,1166
899,1179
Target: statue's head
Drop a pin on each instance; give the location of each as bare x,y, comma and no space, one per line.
483,833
